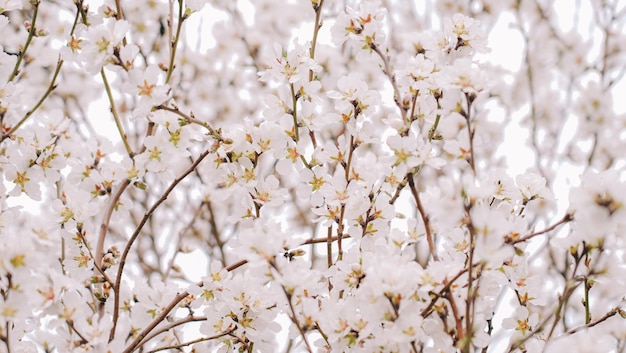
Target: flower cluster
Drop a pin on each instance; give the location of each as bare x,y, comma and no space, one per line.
261,176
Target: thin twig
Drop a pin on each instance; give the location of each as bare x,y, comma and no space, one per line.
31,35
470,131
116,117
52,86
317,25
198,340
174,41
138,341
392,79
171,325
215,232
532,94
566,219
190,119
399,188
294,316
611,313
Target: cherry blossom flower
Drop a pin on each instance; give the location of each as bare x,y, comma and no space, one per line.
465,32
10,5
600,197
289,65
196,5
353,97
99,43
268,192
420,74
148,87
364,25
411,151
522,322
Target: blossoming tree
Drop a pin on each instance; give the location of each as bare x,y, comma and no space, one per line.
326,177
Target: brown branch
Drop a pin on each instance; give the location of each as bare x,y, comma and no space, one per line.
458,321
611,313
324,239
566,219
317,25
198,340
471,291
171,325
104,226
295,320
399,188
471,132
294,316
31,34
424,216
392,79
145,334
329,249
215,232
141,338
441,293
138,341
134,236
236,265
190,119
